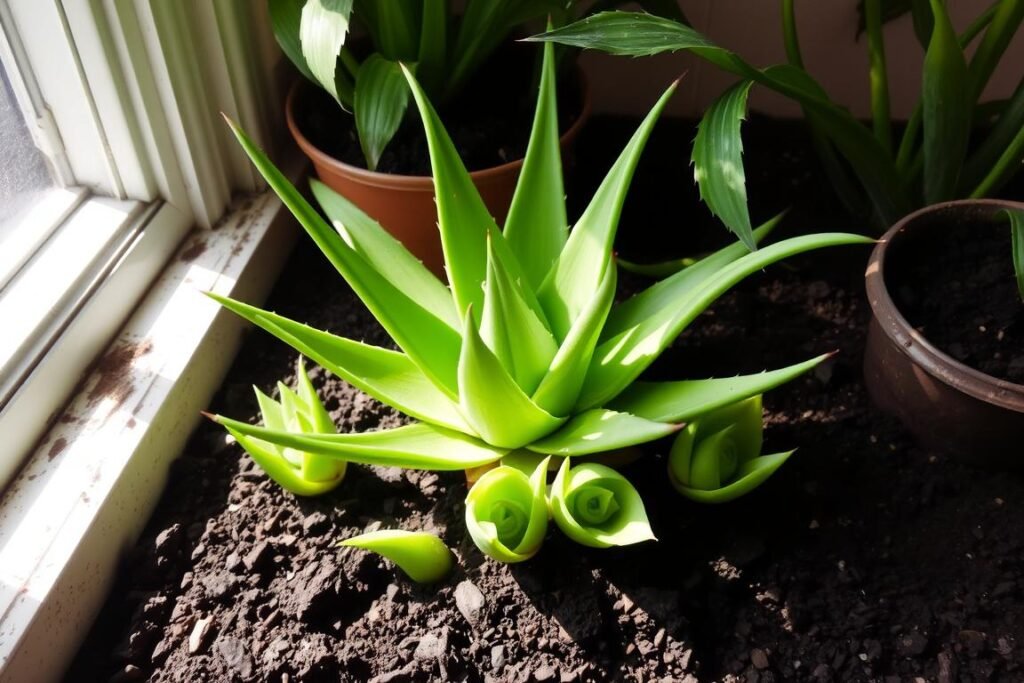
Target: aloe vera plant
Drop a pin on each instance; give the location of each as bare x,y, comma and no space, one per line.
301,472
872,169
527,351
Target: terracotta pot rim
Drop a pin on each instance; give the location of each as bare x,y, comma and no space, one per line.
396,180
923,353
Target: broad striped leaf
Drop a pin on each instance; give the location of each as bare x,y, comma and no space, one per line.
322,32
946,112
388,256
429,341
430,65
388,376
394,26
718,162
285,19
537,228
380,100
597,431
620,359
417,446
577,274
492,403
688,399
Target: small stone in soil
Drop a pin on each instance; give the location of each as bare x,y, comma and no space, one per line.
432,646
470,601
497,657
912,644
759,658
200,632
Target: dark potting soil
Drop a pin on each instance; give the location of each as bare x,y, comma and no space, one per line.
865,558
959,291
489,122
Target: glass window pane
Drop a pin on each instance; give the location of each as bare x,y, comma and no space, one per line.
24,174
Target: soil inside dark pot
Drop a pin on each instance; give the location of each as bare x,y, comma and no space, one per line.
865,558
489,122
957,288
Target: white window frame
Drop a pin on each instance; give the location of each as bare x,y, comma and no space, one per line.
125,96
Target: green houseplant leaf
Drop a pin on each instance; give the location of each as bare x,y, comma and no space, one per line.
285,19
1017,246
379,104
322,33
946,108
718,162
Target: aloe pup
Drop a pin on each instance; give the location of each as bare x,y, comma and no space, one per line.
527,349
301,472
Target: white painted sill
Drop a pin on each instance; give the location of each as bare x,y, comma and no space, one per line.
88,489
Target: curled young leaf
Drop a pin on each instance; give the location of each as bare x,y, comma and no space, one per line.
596,506
507,512
717,457
301,472
421,555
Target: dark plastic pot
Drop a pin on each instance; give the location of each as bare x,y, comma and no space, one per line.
403,204
947,405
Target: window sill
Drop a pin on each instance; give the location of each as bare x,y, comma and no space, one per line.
89,487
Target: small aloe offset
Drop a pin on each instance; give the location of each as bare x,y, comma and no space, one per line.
717,458
527,350
301,472
421,555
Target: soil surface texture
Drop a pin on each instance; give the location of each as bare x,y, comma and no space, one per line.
959,291
489,122
865,558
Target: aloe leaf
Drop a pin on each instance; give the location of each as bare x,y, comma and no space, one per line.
273,418
667,292
754,473
512,329
379,103
946,112
418,446
718,162
322,33
388,376
421,555
621,358
285,20
1016,217
687,399
322,421
430,342
386,254
561,385
599,430
577,274
493,404
462,216
278,469
596,506
507,512
536,229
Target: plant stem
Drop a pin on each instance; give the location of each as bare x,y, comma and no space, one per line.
878,75
349,61
789,34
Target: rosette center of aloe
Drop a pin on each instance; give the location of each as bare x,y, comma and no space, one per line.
510,521
594,505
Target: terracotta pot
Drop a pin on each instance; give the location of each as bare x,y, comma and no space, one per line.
947,405
404,205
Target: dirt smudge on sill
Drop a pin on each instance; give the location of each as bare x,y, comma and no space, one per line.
57,448
114,368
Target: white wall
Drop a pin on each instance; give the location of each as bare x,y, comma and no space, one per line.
752,28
